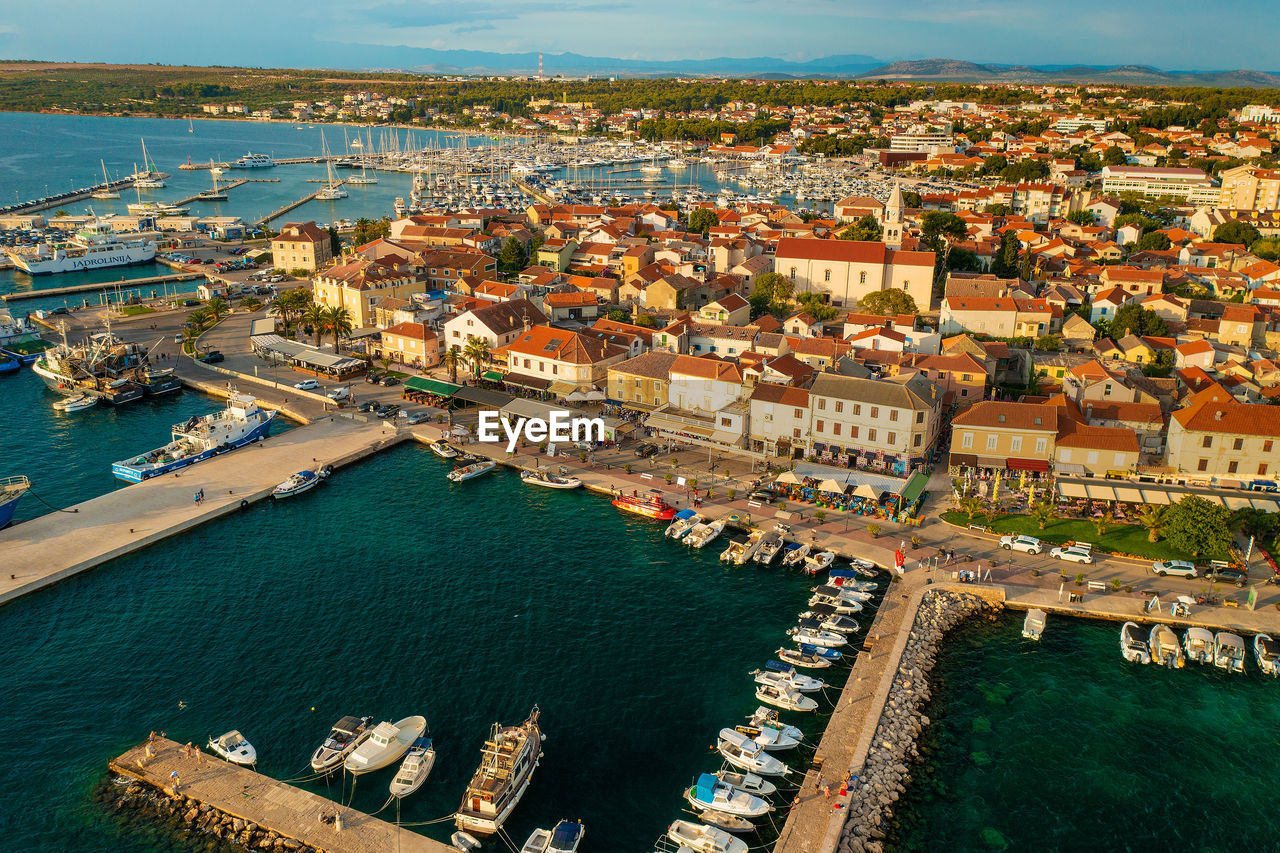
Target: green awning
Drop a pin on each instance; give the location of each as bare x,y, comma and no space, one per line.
492,375
430,386
914,488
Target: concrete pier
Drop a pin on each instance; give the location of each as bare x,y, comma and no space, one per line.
100,286
272,806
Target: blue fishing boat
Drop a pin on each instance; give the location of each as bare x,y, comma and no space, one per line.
11,491
8,364
241,422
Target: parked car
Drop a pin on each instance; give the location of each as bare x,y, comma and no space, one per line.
1073,553
1026,544
645,450
416,418
388,381
190,303
306,385
372,378
388,411
762,495
1226,573
340,393
1178,568
212,357
366,406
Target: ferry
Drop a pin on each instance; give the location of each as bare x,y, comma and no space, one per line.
93,247
241,422
650,505
11,491
252,161
509,757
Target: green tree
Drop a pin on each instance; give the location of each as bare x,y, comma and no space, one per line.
452,358
1043,512
1049,343
702,220
512,257
970,506
647,321
1138,320
1113,156
1081,217
338,321
888,302
1198,526
866,229
199,318
997,209
1146,223
771,294
817,307
335,242
217,307
1156,240
1153,517
994,164
367,230
619,315
1005,263
477,352
1236,232
313,317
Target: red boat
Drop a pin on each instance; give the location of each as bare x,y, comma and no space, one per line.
650,505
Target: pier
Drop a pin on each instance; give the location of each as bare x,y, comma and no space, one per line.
269,805
19,295
276,214
68,197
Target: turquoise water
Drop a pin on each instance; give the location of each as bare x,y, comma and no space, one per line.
14,280
389,591
1063,745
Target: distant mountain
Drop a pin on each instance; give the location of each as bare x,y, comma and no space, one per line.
960,71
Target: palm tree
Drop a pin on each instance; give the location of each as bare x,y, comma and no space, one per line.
970,506
1043,512
281,309
250,303
198,318
477,352
338,321
1153,517
452,358
314,317
217,306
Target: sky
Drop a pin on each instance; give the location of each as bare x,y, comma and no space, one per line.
1170,34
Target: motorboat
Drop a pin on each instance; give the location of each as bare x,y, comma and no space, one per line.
415,768
344,737
549,480
784,674
852,592
841,603
507,760
1164,647
813,635
1133,645
685,521
464,841
704,839
1198,645
726,822
745,754
742,548
234,748
786,698
1266,652
712,794
296,484
1228,651
808,660
650,505
385,745
848,579
11,491
469,472
1033,625
749,782
770,544
537,841
78,403
830,619
767,719
566,836
794,553
704,534
866,568
440,447
819,562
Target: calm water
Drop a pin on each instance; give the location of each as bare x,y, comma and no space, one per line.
389,591
1065,746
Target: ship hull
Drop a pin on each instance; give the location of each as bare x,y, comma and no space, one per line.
98,260
7,509
133,474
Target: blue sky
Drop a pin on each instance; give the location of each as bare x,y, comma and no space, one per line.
1173,34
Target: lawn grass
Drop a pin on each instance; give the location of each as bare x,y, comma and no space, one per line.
1119,538
136,310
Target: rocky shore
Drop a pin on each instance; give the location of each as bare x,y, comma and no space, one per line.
192,819
883,777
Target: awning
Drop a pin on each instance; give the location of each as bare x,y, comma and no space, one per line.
1070,468
1129,493
520,380
915,487
428,385
788,477
964,460
866,492
562,389
492,375
831,486
1155,496
482,396
1028,464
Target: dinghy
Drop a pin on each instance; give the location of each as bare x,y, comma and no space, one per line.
77,403
464,841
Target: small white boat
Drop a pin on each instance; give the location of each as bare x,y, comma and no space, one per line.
845,604
566,836
786,698
766,720
866,568
385,744
1033,625
770,544
781,674
710,793
1228,651
745,754
414,769
442,448
685,521
549,480
1198,645
826,618
1133,645
234,748
851,592
1164,647
464,841
794,554
1266,652
742,548
819,562
846,579
344,737
78,403
704,839
296,484
749,782
468,472
798,657
819,638
704,534
537,841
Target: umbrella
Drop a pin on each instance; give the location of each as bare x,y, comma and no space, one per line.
788,477
459,429
831,486
865,491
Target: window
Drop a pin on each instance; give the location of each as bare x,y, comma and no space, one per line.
875,411
862,277
1119,459
1262,469
822,402
1231,466
919,417
820,426
1266,446
967,441
826,276
1203,465
853,432
793,273
795,433
1092,458
893,414
871,435
799,413
1042,445
839,405
725,422
1207,442
857,408
918,440
835,429
1238,444
991,442
1015,444
892,438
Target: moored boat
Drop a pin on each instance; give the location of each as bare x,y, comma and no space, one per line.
344,737
508,759
703,534
782,674
808,660
770,544
1133,645
1033,625
202,437
1164,647
11,491
78,403
384,745
726,822
549,480
1266,652
710,793
685,521
650,505
566,835
468,472
1197,643
442,448
234,748
415,768
296,484
745,754
1228,651
749,782
766,720
704,839
819,562
742,548
464,841
786,698
828,618
793,554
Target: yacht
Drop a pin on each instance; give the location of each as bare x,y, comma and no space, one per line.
1033,625
345,736
698,838
1266,652
202,437
384,745
149,176
234,748
703,534
686,520
414,769
442,448
712,794
252,161
1133,646
1228,651
508,759
1164,648
296,484
745,754
11,491
94,246
105,191
549,480
1197,643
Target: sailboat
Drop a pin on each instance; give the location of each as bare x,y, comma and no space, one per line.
106,191
149,177
191,128
333,189
217,193
364,169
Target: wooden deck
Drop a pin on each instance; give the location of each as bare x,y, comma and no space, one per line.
250,796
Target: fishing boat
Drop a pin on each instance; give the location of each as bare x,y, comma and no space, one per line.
475,469
819,562
749,782
798,657
566,835
202,437
816,637
745,754
1133,645
829,619
1164,647
94,246
704,839
296,485
234,748
1198,645
11,491
415,768
508,759
1033,625
1266,652
726,822
650,505
786,698
783,736
710,793
704,534
384,745
343,738
440,447
78,403
793,554
548,480
782,674
770,544
1228,651
155,381
685,521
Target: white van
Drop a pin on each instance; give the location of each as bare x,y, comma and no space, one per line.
338,394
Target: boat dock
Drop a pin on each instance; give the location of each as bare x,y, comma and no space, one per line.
229,185
19,295
276,214
68,197
527,189
270,805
